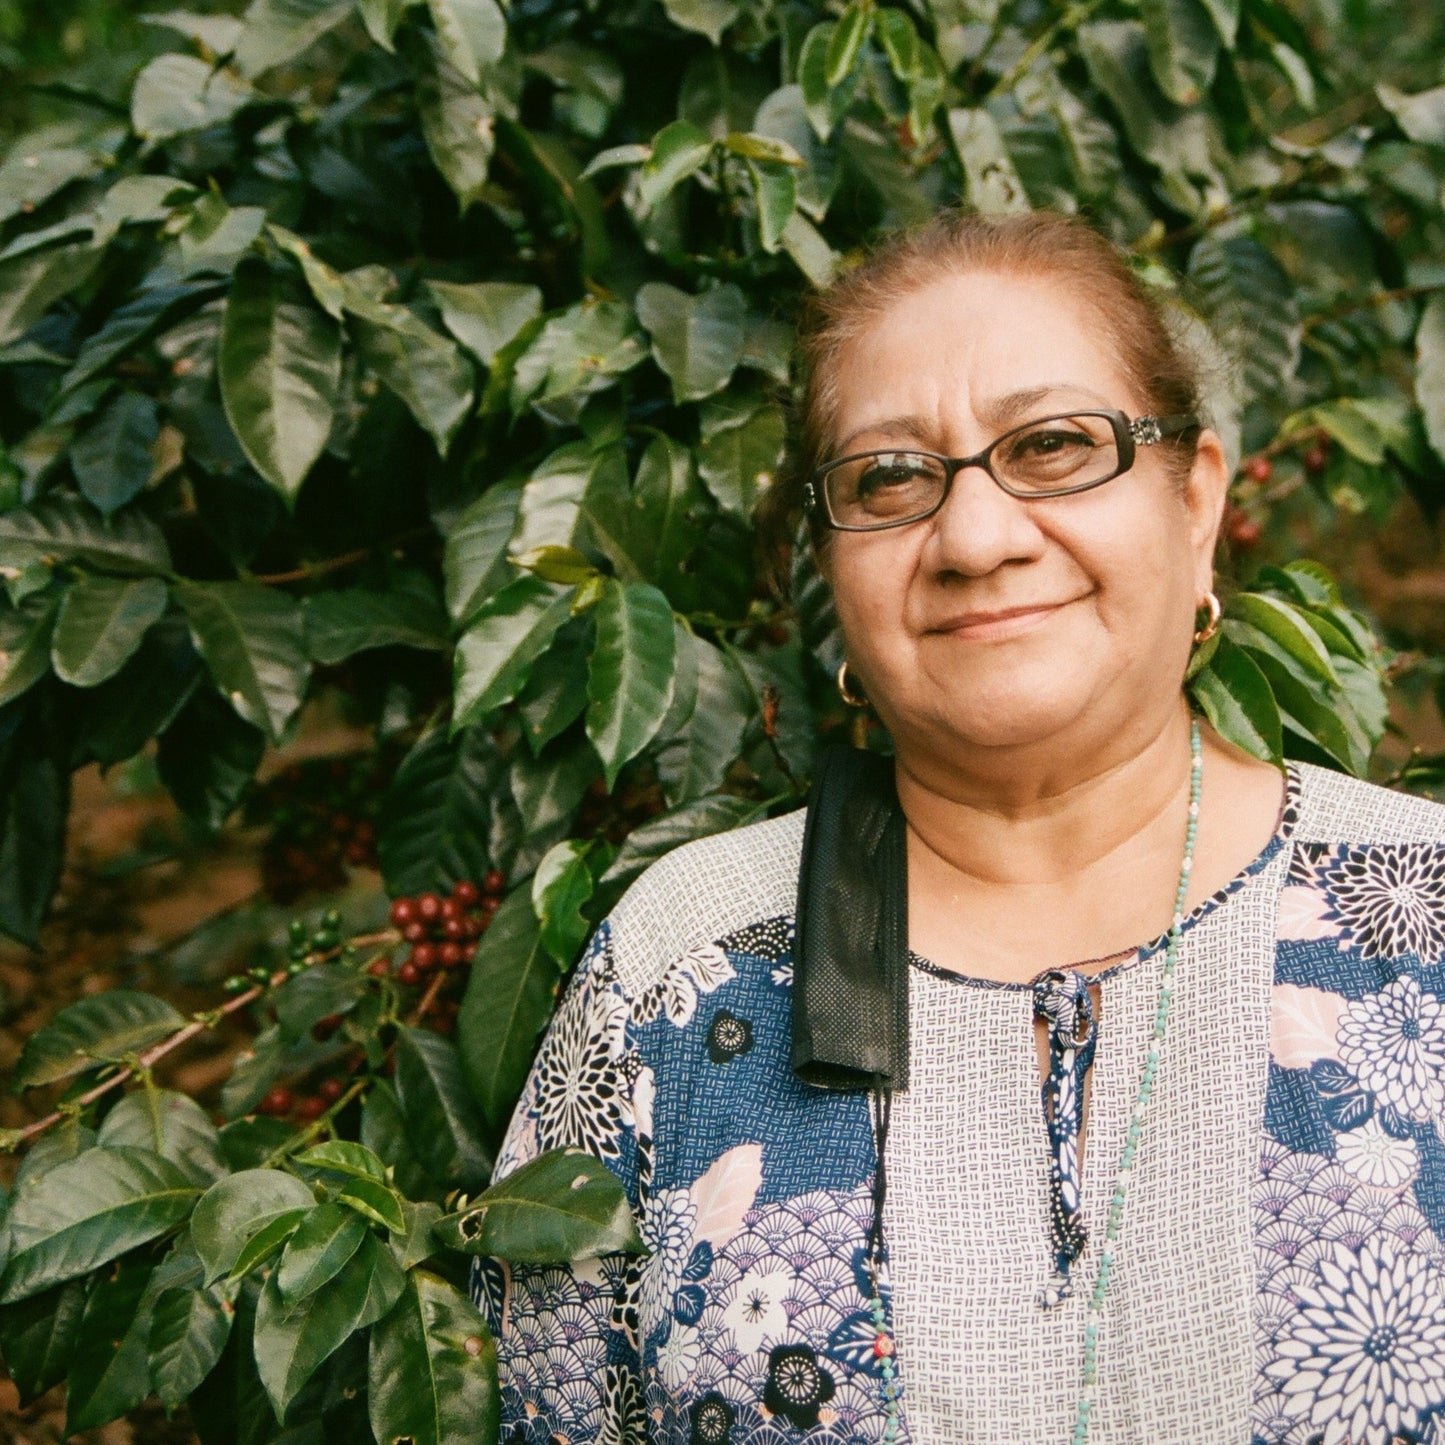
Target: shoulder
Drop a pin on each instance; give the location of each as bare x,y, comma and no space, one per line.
704,891
1336,808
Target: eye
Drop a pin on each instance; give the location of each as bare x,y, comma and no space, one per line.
1051,441
891,469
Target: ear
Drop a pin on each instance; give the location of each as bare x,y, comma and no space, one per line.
1205,494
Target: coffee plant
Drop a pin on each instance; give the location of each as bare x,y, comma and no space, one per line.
432,355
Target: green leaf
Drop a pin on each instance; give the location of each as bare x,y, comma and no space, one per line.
33,281
108,1370
572,357
502,641
1237,700
127,328
112,459
705,17
381,18
560,886
293,1342
207,757
717,813
383,1128
629,680
25,646
318,1250
176,94
784,116
408,614
436,815
777,195
824,102
377,1202
696,340
425,369
1421,116
848,38
31,174
100,625
712,735
343,1157
34,806
89,1211
279,365
485,315
741,449
269,1238
561,1207
1287,627
473,34
102,1028
1183,47
678,151
188,1331
446,1129
321,990
994,185
169,1124
436,1340
811,254
475,564
564,566
251,638
236,1209
1252,308
1430,371
279,30
37,1338
458,121
67,529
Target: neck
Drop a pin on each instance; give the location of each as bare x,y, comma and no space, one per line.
1025,821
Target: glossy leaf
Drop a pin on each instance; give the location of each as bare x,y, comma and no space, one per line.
458,123
1430,371
435,1339
279,366
113,457
37,1337
104,1027
1236,699
560,886
64,527
445,1127
170,1124
409,613
847,39
678,151
1281,622
502,640
711,737
251,639
236,1209
706,17
207,756
697,340
473,33
374,1201
475,564
629,680
189,1328
652,840
89,1211
485,315
562,1206
341,1156
318,1250
108,1369
32,282
25,646
176,94
276,31
100,625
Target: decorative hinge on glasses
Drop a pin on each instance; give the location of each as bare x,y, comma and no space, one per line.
1146,431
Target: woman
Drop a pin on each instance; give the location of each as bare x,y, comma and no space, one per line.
1223,1224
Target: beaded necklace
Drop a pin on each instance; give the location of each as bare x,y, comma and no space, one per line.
883,1343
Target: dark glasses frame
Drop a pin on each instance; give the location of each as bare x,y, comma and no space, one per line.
1129,434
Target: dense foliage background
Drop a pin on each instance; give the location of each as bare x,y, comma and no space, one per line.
422,363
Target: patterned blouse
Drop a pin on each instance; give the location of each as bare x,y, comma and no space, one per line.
1280,1279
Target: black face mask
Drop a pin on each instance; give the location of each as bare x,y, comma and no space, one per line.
850,956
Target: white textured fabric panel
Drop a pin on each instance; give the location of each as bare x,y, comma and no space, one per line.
1334,808
704,891
966,1214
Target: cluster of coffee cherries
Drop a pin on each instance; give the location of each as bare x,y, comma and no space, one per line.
443,930
1243,529
321,816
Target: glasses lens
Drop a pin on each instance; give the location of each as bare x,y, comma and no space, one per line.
882,488
1055,453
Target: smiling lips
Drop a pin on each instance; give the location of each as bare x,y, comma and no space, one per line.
981,626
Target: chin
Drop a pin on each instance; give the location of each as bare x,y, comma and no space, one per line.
991,717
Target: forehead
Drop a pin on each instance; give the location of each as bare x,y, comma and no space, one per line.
973,350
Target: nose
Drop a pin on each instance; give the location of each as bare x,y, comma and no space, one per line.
980,527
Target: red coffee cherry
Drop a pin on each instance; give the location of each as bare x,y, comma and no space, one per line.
403,911
429,906
324,1028
331,1090
277,1103
379,967
466,892
408,974
423,957
496,880
415,932
450,955
309,1110
1259,469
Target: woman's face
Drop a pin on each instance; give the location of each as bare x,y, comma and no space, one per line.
1000,622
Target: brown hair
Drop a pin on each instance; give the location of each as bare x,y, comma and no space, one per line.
1038,244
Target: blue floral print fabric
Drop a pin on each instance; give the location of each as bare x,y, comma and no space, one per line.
749,1321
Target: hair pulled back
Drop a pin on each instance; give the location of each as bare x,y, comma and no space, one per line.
1039,244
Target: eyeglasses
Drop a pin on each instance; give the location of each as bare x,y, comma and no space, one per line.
1053,456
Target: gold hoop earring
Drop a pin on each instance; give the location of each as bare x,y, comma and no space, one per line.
1210,605
853,699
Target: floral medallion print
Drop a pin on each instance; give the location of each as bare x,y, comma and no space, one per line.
728,1037
1364,1353
1378,1158
1394,1041
1391,898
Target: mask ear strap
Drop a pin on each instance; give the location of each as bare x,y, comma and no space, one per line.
850,954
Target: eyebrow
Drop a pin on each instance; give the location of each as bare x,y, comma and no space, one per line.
997,412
